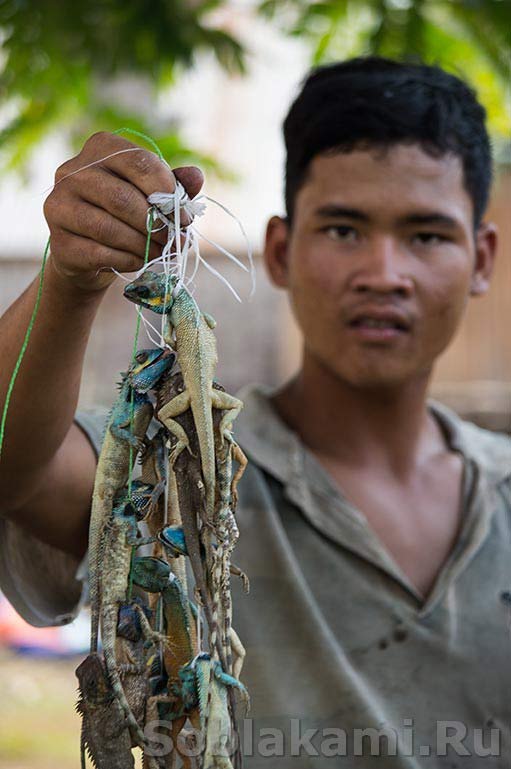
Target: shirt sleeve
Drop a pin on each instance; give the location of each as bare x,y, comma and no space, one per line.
45,585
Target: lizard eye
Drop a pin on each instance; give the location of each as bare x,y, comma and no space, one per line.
143,292
141,357
129,510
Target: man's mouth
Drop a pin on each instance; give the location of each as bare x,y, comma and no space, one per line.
376,323
380,324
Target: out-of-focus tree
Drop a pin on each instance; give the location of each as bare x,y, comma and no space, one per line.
56,58
471,38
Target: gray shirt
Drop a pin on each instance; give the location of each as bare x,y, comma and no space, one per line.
346,664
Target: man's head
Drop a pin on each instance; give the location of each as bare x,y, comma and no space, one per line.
387,178
378,102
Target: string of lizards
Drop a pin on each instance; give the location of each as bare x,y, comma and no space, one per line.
153,667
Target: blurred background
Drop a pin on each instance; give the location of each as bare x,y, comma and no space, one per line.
211,81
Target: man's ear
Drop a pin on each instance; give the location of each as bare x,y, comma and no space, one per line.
276,250
485,252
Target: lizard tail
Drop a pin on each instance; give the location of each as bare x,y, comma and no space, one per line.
203,420
116,684
102,504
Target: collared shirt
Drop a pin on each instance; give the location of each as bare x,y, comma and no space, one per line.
346,664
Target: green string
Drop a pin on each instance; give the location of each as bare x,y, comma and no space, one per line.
146,138
130,575
23,348
150,221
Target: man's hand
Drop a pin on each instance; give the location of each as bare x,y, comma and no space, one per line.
97,217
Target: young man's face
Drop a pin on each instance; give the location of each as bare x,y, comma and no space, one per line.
380,260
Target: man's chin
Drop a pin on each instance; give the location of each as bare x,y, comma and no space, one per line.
379,379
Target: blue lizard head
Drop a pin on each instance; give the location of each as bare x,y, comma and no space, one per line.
174,540
151,574
152,290
148,367
128,623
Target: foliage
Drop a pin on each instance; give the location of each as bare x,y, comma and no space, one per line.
471,38
56,56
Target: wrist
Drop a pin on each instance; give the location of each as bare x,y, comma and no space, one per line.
67,286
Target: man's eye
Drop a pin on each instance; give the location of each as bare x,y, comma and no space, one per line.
341,232
430,238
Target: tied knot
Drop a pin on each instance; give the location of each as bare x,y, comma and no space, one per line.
166,203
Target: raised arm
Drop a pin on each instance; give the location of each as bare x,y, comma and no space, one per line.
97,219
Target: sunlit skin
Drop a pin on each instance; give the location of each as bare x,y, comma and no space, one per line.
379,230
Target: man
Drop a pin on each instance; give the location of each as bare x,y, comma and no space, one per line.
374,523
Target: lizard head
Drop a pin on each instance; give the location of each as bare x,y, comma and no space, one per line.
173,538
151,574
128,623
93,682
148,367
152,290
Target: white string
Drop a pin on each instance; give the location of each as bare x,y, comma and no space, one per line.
159,341
220,248
219,276
245,236
95,163
166,203
199,630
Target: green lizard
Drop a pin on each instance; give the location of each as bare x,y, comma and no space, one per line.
114,459
120,539
203,684
195,345
154,575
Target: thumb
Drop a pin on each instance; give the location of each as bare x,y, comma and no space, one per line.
191,178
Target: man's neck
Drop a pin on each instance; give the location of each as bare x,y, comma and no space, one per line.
389,429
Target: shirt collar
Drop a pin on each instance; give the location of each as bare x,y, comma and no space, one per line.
278,450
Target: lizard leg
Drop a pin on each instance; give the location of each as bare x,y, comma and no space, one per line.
239,651
237,572
231,407
122,430
166,414
242,461
227,680
151,636
173,517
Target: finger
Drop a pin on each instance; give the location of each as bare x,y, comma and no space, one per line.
116,197
92,222
191,178
136,165
87,255
144,162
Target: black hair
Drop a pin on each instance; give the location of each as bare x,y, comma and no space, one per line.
376,102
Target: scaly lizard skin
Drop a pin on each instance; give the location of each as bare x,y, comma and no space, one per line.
172,537
226,533
224,524
121,537
190,500
155,576
104,736
114,459
203,684
131,657
195,345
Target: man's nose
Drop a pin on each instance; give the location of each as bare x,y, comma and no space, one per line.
383,269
